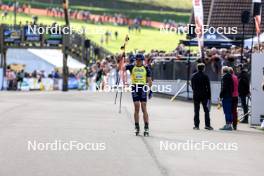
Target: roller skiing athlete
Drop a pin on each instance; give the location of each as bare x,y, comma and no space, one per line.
141,84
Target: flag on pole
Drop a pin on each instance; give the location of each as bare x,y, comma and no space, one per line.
257,9
123,76
65,4
199,21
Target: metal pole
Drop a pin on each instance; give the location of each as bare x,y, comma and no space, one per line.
15,11
242,44
87,61
188,73
4,62
1,45
65,48
65,72
66,14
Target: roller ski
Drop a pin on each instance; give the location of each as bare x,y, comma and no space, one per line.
146,130
146,133
137,130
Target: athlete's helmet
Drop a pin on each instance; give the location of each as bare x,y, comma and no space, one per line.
140,56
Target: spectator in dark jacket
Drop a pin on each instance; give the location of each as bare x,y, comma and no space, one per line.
201,94
244,92
226,94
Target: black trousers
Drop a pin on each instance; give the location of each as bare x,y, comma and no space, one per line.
197,112
244,105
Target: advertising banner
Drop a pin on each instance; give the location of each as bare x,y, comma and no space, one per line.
53,39
31,36
12,36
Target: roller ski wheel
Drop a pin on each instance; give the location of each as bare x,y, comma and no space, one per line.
137,131
146,133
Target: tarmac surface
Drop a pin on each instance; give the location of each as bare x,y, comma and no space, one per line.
40,119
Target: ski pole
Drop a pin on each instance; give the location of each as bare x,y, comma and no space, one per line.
121,65
120,103
117,84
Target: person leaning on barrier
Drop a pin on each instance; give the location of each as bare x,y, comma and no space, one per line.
201,94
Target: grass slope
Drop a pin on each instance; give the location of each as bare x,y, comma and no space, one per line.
158,10
148,39
147,4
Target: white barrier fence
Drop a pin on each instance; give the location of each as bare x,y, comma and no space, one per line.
257,91
176,85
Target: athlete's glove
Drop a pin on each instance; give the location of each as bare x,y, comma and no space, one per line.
150,94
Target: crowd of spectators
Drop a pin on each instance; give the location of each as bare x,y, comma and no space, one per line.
14,77
216,58
105,71
85,15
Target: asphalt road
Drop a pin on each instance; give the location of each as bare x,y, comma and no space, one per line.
93,120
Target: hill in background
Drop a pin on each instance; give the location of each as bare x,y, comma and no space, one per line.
157,10
133,4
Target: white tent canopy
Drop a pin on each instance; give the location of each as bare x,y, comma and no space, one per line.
248,42
40,59
55,57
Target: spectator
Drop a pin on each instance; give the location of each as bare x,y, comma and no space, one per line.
56,75
201,94
226,94
10,77
116,35
234,99
107,37
244,92
20,78
4,15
